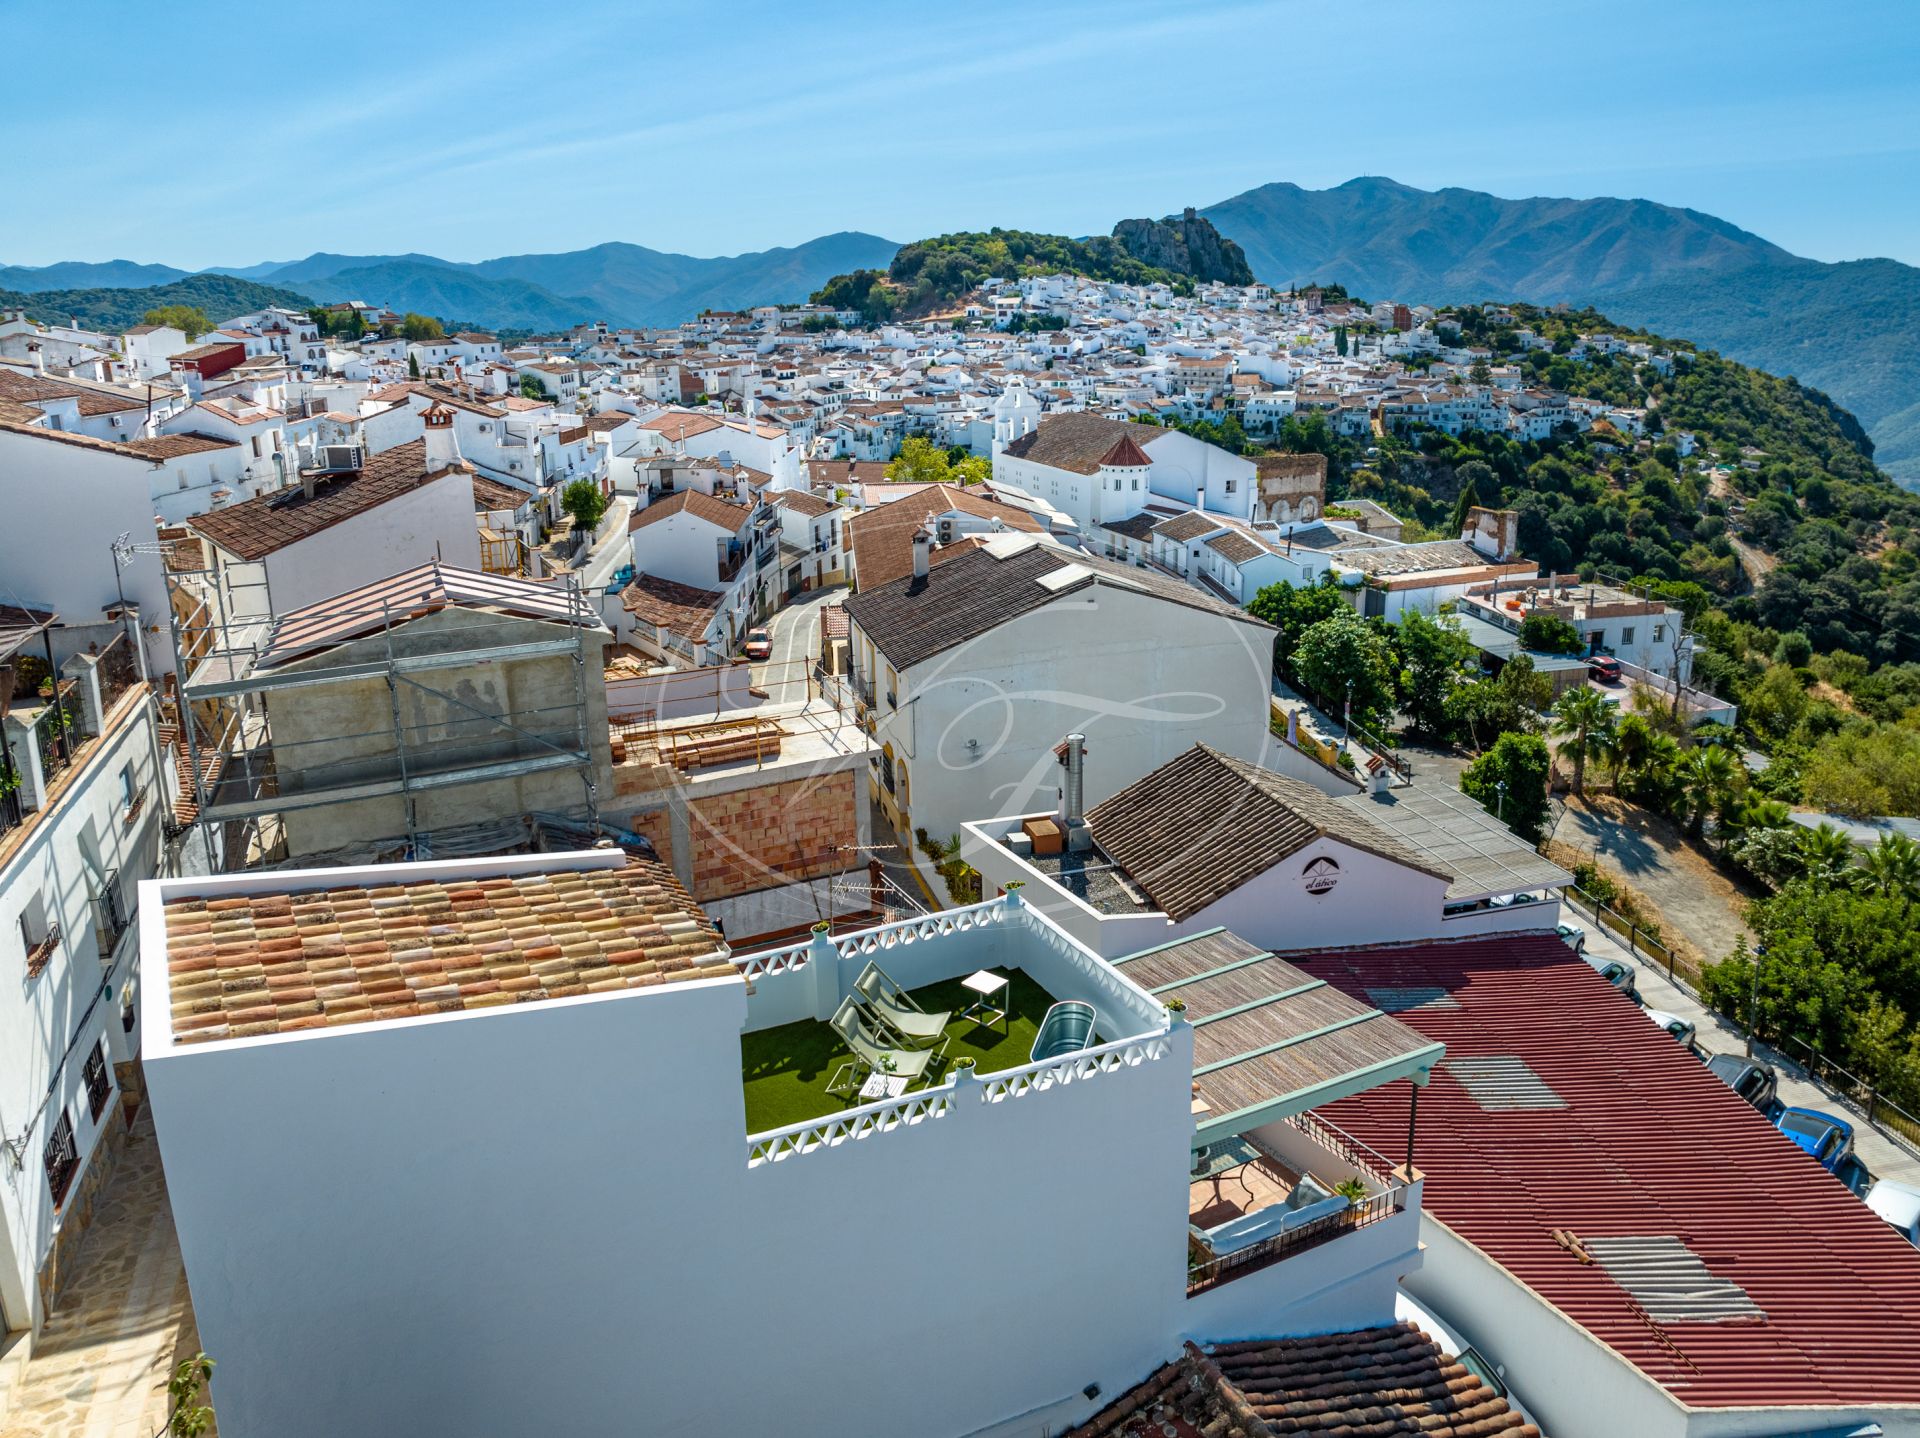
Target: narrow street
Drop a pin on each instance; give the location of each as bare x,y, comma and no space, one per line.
101,1363
786,677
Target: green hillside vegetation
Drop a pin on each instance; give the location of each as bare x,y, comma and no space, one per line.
1800,581
930,275
220,297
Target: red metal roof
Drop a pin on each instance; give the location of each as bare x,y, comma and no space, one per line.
1648,1143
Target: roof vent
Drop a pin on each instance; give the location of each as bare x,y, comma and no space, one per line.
1502,1084
1669,1281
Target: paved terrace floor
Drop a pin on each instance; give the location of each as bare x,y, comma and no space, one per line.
101,1364
787,1069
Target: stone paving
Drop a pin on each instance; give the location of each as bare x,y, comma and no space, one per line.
100,1366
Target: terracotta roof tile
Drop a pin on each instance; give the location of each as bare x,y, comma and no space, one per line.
716,511
1381,1382
241,965
261,526
1077,441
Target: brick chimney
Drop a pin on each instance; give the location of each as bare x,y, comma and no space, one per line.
443,450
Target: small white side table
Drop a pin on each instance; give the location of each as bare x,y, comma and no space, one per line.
882,1086
991,1005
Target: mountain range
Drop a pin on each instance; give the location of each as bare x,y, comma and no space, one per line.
1843,328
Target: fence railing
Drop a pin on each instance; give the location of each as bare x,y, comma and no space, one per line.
869,942
59,732
110,918
1208,1273
1639,942
1337,1140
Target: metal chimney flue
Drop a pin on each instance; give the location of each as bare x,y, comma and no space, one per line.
1073,755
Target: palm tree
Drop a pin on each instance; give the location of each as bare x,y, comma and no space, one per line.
1706,778
1892,868
1756,811
1825,852
1587,723
1632,736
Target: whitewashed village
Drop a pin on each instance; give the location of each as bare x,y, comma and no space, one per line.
677,862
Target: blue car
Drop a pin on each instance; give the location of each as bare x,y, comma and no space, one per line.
1827,1138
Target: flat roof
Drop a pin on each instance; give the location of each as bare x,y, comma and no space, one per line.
1639,1141
256,954
1456,835
1490,638
1271,1040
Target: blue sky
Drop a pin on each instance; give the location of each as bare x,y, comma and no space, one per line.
207,133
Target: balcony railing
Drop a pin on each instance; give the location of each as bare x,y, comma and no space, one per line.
110,919
1209,1272
58,733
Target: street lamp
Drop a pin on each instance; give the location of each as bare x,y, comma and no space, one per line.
1753,995
1500,802
1346,720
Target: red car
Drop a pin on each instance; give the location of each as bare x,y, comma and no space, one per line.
759,644
1605,668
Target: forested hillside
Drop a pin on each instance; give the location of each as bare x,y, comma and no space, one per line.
114,310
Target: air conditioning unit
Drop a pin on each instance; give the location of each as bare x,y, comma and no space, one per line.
337,458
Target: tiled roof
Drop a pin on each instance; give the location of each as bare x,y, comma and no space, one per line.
1236,547
1078,441
246,964
491,494
261,526
1204,823
881,538
801,502
1137,527
970,594
1191,525
173,446
678,608
1125,454
1640,1123
1377,1382
91,400
682,426
716,511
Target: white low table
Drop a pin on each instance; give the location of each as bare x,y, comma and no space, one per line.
882,1086
990,1007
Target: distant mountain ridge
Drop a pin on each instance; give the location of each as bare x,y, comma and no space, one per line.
113,309
1845,328
86,275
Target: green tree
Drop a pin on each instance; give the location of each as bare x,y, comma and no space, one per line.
1480,372
190,320
1341,661
1587,725
1825,853
1476,479
1340,339
420,327
1707,777
1775,706
187,1416
413,366
1510,780
1433,655
1891,868
919,461
1550,634
531,387
974,469
1293,611
583,500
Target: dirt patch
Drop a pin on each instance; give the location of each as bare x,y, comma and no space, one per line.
1839,698
1697,904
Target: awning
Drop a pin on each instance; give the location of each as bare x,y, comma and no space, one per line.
18,625
1270,1040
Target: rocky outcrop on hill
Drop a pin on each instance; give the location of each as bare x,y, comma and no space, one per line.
1188,245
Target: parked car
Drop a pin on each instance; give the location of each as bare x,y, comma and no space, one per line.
1855,1174
759,644
1899,1204
1681,1029
1754,1081
1405,1310
1574,937
1614,971
1604,668
1827,1138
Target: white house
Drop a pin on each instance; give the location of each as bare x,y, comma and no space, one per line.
1208,840
600,1186
81,805
1078,463
347,526
972,668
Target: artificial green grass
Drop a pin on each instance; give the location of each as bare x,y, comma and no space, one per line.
787,1069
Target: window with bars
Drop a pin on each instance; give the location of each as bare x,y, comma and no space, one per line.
94,1075
62,1158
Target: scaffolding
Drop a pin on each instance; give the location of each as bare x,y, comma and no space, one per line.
236,662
